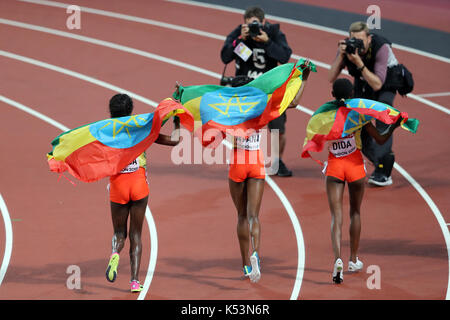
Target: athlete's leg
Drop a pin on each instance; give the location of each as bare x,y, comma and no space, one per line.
119,215
137,215
335,191
356,192
238,191
255,190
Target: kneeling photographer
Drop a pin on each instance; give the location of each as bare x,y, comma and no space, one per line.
377,76
257,46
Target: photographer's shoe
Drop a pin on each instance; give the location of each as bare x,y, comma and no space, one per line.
380,180
283,171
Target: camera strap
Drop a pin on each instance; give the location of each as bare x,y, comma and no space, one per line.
224,68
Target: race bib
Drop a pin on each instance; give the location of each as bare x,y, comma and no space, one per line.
251,143
342,147
243,51
132,167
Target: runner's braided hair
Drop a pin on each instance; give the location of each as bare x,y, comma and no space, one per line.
342,89
120,105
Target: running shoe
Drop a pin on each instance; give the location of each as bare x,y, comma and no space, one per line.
283,171
136,286
355,266
380,180
111,271
247,271
255,274
338,271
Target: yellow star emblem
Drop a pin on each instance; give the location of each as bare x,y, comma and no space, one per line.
224,107
131,122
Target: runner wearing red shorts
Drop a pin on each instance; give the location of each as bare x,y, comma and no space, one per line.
345,164
246,182
128,192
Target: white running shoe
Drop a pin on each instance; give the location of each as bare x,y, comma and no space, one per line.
355,266
255,274
338,271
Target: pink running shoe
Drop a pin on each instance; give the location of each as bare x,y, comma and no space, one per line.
136,286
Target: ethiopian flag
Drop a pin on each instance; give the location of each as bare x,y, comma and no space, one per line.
234,110
105,147
331,122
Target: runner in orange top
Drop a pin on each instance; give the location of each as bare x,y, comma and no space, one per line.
128,193
246,182
345,163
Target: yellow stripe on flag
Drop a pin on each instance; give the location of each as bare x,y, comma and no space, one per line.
320,124
72,141
292,88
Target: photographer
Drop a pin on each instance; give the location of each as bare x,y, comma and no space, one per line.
369,59
258,46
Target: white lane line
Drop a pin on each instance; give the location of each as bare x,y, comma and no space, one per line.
309,26
127,17
110,45
153,254
76,75
148,213
436,212
437,94
298,235
8,239
34,113
196,32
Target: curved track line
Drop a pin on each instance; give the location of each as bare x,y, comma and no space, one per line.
110,45
436,213
148,213
300,244
127,17
8,240
153,254
76,75
187,30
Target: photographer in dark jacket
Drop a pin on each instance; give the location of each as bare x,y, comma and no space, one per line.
258,46
369,59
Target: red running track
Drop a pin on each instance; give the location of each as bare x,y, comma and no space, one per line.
56,225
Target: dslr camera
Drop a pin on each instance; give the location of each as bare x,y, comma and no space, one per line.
354,44
254,29
234,81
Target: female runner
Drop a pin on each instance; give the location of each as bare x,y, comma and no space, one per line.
128,193
246,183
345,163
